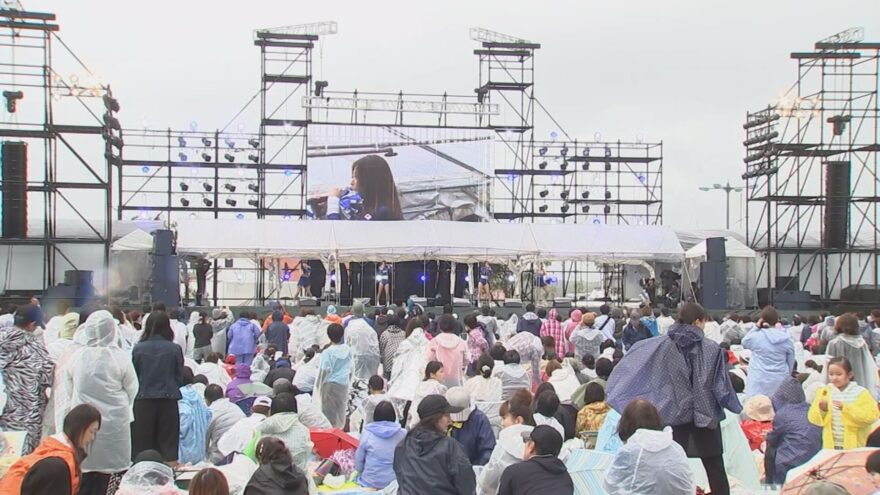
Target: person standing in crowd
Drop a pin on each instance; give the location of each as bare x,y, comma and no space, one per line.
650,461
664,321
277,474
278,333
101,373
307,331
490,323
194,420
553,328
793,440
203,332
242,337
158,362
221,318
374,458
530,322
449,349
364,344
334,377
517,423
484,387
224,415
605,323
429,461
213,371
470,427
476,342
695,367
844,409
182,336
772,355
409,365
389,341
332,316
849,344
54,467
635,330
285,425
586,338
541,471
27,373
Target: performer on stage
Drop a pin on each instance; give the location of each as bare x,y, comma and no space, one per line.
383,282
542,289
483,287
304,284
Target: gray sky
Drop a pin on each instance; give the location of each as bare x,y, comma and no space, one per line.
684,72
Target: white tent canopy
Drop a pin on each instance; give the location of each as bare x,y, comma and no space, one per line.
462,242
732,247
136,240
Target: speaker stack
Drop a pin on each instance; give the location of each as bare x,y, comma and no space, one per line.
165,270
837,196
14,175
713,274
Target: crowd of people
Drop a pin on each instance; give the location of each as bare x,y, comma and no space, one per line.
145,401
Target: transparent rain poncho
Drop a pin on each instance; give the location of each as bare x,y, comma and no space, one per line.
148,478
650,462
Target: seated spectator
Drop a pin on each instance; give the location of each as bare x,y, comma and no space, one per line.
759,411
592,415
213,371
517,423
793,440
242,376
263,363
224,415
277,474
374,458
281,370
376,389
194,419
236,439
285,425
541,470
208,481
484,387
513,375
546,406
470,427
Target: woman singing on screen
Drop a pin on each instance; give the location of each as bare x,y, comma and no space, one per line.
379,199
383,282
483,289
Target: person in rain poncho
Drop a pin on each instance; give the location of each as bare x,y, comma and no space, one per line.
101,373
182,335
793,440
220,321
431,385
389,341
262,364
61,349
375,453
364,344
239,435
242,337
651,461
852,346
772,355
712,330
242,376
409,364
512,375
278,332
148,478
64,320
306,331
484,387
490,323
224,415
306,371
530,322
27,373
586,338
334,377
517,423
194,420
214,372
664,321
530,350
285,425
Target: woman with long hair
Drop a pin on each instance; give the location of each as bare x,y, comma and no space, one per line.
483,288
383,282
371,178
208,481
277,474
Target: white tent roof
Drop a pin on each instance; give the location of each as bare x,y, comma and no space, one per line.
732,247
463,242
136,240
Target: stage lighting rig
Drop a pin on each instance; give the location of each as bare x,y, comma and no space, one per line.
254,203
231,202
254,142
254,187
182,157
229,187
206,142
184,202
181,142
543,193
184,186
542,208
254,157
207,187
229,157
207,202
206,157
542,165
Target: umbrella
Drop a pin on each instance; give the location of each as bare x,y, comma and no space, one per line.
843,467
587,470
329,440
255,388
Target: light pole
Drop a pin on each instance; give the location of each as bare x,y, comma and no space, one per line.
727,189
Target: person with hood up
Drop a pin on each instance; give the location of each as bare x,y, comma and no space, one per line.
517,423
331,316
285,425
224,415
530,350
429,461
490,323
849,344
586,338
772,355
793,440
470,427
194,420
307,330
213,371
277,475
334,377
541,471
530,322
278,332
273,307
306,371
282,370
448,348
242,376
263,362
563,378
389,341
634,331
100,373
513,375
553,328
409,363
239,435
477,344
242,337
685,376
650,461
220,320
364,344
374,458
574,320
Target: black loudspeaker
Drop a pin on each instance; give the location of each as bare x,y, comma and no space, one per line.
165,280
14,177
860,293
78,278
787,283
792,300
318,279
713,280
837,196
163,243
715,250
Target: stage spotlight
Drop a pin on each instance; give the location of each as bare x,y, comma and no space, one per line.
206,142
643,179
184,186
564,209
607,194
544,193
239,216
585,166
253,202
207,202
542,208
585,152
563,166
585,194
229,157
319,87
112,122
231,202
607,151
597,221
110,103
254,157
585,208
564,151
542,150
254,187
608,166
288,172
184,202
607,209
229,187
229,143
422,277
206,157
254,142
181,142
182,156
564,194
511,278
542,165
208,187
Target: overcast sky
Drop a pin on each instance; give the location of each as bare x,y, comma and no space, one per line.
684,72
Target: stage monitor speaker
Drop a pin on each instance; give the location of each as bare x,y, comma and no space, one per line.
713,281
860,293
460,302
308,302
163,243
165,281
14,176
421,301
787,283
513,303
715,250
562,302
792,300
837,196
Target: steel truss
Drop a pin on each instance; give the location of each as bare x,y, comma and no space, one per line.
827,119
67,167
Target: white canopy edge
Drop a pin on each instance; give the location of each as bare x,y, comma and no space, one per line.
462,242
732,247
